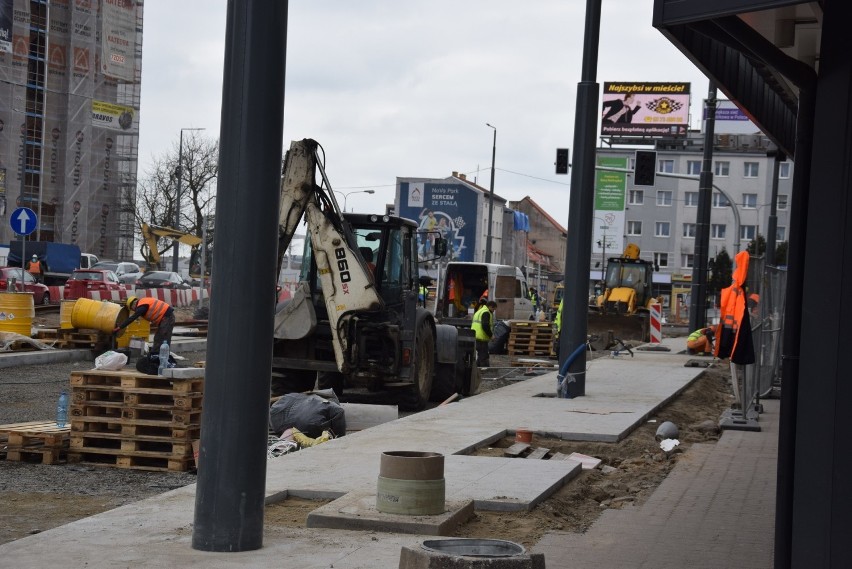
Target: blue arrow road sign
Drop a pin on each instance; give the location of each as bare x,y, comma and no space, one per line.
23,221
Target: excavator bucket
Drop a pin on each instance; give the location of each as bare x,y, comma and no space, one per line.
624,327
295,318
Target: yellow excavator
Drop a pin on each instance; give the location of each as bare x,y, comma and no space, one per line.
151,233
627,294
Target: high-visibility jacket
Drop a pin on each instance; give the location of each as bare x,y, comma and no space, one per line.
156,309
558,320
477,326
733,333
34,268
424,293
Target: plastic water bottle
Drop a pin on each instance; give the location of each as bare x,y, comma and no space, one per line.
62,409
164,358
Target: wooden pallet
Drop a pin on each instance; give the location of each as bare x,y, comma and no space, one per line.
530,338
74,338
524,450
39,441
139,460
119,444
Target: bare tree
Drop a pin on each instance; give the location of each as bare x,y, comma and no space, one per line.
157,190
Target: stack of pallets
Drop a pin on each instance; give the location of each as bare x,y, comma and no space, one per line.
529,339
39,441
132,420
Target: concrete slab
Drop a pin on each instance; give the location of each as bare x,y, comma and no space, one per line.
620,394
357,511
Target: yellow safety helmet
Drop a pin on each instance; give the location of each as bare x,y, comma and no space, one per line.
130,300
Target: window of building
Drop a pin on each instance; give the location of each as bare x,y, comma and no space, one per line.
636,197
719,200
721,168
634,228
689,230
662,229
782,201
661,259
693,168
750,169
717,230
687,260
749,201
666,166
781,233
784,169
748,232
690,199
664,197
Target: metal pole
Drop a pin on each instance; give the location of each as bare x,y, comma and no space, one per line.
578,252
177,205
203,261
772,227
491,196
229,497
697,301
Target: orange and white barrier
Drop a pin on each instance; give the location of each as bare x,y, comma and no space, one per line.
656,323
177,298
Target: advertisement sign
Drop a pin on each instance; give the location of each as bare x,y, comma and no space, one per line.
118,39
645,109
112,116
730,119
610,191
6,26
441,208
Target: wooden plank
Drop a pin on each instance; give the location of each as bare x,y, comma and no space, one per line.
516,450
538,453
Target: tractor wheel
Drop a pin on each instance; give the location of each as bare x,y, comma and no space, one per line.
416,396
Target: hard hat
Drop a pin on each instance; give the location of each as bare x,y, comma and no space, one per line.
35,257
130,300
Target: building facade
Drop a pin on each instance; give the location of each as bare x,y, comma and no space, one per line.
661,219
457,210
70,73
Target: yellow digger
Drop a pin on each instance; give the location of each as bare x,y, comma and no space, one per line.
623,305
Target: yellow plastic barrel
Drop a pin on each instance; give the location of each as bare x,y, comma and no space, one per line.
98,315
65,308
17,310
139,328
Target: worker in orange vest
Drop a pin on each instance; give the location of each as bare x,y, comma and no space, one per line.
733,334
35,269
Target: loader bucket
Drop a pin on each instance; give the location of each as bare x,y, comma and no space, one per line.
625,327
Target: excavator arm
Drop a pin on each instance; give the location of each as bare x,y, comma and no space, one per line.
151,233
347,283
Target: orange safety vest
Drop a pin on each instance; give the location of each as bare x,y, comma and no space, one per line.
733,334
156,309
35,267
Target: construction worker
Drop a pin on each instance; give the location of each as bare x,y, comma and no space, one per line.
35,269
482,326
155,311
423,295
557,324
700,341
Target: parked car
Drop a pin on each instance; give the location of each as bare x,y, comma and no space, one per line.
85,281
126,271
163,279
41,294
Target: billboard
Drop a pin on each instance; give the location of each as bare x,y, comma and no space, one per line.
6,26
610,190
645,109
444,208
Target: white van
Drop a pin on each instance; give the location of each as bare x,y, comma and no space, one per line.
87,260
506,285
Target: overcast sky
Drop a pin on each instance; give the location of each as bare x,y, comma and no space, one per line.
405,88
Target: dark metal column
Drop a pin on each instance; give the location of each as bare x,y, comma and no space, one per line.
578,250
698,296
772,226
229,500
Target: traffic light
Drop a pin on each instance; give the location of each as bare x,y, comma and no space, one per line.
645,168
561,160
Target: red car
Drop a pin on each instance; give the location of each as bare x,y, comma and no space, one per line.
83,282
41,294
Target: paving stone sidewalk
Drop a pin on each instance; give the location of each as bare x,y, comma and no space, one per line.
716,509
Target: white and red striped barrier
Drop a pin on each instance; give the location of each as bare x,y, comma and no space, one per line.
656,310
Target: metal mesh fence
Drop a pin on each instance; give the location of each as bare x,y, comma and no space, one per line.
767,322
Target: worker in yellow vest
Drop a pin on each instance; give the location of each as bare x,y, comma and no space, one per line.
483,327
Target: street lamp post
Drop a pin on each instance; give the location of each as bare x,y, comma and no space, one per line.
347,194
179,173
491,196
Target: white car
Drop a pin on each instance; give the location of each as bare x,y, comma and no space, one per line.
126,271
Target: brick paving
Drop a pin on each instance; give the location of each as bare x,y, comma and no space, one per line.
716,509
